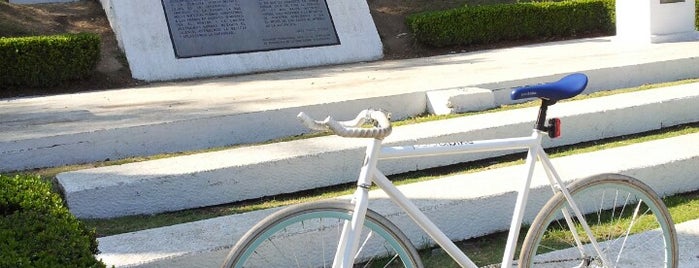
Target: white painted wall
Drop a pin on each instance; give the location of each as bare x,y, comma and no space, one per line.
142,33
672,18
632,19
651,21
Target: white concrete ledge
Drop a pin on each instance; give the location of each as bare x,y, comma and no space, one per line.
459,100
676,37
108,136
464,206
251,172
192,115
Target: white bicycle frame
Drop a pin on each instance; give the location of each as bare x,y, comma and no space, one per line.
369,173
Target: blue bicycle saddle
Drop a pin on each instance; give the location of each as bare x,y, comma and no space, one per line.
568,87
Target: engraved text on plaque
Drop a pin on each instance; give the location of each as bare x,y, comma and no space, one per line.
214,27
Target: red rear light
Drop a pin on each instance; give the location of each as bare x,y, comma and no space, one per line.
554,128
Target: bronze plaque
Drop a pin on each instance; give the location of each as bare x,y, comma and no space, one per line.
214,27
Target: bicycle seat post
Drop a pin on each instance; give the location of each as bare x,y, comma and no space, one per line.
553,129
543,109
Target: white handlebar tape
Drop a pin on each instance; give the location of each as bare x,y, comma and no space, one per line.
351,128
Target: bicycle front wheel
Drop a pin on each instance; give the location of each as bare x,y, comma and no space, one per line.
627,218
307,235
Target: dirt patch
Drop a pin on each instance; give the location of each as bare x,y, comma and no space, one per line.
84,16
113,72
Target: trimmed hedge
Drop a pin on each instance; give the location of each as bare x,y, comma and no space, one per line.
41,61
36,230
492,23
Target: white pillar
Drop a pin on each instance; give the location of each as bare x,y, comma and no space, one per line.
655,21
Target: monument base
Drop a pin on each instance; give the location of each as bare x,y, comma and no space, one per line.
149,39
676,37
658,38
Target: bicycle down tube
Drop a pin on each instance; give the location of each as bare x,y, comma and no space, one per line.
531,143
375,152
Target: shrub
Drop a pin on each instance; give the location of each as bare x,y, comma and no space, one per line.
36,230
40,61
531,20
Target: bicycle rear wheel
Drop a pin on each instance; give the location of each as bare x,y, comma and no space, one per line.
627,218
307,236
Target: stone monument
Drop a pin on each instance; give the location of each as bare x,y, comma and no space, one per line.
655,21
177,39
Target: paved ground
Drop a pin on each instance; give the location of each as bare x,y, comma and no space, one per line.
688,236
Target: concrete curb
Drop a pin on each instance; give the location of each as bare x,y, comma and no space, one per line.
670,169
250,172
116,142
459,100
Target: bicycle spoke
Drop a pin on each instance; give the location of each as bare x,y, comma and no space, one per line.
361,247
626,235
308,235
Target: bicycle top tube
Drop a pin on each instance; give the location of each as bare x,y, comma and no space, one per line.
567,87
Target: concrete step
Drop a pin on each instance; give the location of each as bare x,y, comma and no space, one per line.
464,206
192,115
250,172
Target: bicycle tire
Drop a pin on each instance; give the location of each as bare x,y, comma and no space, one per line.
600,197
277,235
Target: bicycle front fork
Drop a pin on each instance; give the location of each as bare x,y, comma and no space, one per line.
349,240
351,232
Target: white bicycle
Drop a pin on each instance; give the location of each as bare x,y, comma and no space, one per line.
608,220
